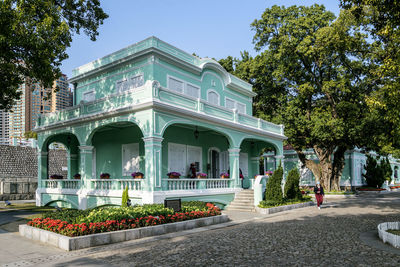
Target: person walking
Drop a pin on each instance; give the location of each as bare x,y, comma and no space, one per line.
319,194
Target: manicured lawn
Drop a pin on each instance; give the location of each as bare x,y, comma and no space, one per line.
270,204
395,232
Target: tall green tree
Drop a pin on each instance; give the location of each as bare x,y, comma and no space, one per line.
309,76
381,19
34,35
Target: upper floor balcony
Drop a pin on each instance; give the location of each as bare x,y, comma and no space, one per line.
152,95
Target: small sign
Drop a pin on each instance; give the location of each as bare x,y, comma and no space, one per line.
174,204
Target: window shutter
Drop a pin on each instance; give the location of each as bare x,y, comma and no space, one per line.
224,161
177,158
192,91
244,163
241,108
213,98
229,103
89,96
130,158
175,85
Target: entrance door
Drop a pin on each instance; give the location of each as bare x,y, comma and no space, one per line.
214,160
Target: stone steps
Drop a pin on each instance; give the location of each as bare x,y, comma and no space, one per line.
244,201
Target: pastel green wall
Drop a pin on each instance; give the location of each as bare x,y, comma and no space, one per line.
209,79
180,135
108,146
57,200
105,82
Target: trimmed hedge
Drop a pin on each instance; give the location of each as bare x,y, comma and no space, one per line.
273,189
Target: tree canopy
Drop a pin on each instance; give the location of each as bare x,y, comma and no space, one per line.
381,19
310,76
34,35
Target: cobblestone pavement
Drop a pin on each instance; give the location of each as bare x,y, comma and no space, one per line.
332,236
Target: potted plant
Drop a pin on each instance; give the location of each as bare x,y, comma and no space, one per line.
56,176
137,175
105,176
77,176
268,173
224,175
173,174
201,175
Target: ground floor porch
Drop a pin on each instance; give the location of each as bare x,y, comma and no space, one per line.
209,161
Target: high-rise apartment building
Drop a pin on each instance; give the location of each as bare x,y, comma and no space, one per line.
36,100
4,128
62,97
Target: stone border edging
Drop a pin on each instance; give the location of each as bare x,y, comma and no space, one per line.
381,192
283,208
387,237
80,242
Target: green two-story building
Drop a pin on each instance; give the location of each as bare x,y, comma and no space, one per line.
153,108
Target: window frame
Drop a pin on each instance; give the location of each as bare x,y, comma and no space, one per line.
185,86
90,91
218,96
236,105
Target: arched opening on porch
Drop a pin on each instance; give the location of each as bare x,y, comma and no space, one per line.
186,144
252,160
117,149
60,154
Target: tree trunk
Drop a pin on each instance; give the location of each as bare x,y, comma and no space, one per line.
329,169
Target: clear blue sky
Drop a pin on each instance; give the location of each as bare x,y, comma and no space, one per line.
217,28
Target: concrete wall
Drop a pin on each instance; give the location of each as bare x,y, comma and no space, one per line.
18,170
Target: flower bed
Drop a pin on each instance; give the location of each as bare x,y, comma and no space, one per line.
87,228
395,187
371,189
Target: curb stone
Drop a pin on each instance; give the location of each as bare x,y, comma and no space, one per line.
283,208
80,242
387,237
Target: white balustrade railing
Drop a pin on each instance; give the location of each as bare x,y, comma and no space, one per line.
217,183
116,184
62,183
196,183
182,184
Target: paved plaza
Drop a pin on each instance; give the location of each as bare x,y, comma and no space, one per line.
342,233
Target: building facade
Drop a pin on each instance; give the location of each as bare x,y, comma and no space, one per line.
4,128
155,109
35,101
355,160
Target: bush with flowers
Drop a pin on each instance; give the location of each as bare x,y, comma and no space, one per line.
80,226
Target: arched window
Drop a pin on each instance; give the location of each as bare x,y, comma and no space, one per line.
213,97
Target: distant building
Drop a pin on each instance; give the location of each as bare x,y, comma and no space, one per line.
36,100
62,96
4,128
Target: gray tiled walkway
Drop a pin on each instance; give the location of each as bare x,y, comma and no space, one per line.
340,234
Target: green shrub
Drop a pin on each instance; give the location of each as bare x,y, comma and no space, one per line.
375,175
273,189
194,206
292,190
125,197
272,203
387,169
119,213
70,215
102,215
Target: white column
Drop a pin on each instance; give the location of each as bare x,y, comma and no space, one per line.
234,166
153,153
